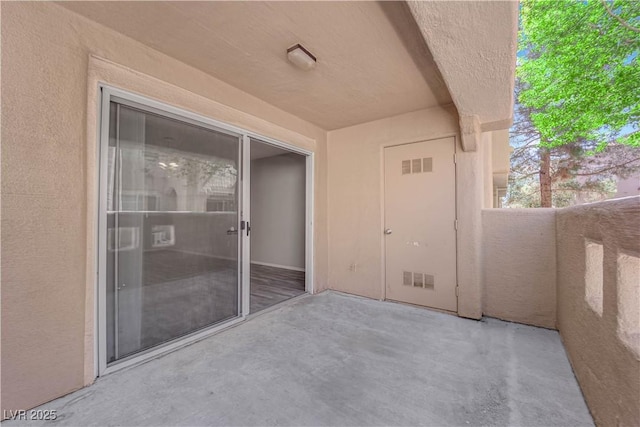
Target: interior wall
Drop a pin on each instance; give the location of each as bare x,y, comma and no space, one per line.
278,211
52,62
356,260
519,265
607,368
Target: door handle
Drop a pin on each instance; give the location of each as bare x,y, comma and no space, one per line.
232,230
388,231
244,225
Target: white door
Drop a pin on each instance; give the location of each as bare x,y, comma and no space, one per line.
420,211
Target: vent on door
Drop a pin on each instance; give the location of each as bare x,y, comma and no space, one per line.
418,280
407,279
406,167
428,281
417,165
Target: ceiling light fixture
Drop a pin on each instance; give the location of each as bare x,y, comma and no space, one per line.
301,57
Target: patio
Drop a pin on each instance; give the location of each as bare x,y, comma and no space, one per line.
335,359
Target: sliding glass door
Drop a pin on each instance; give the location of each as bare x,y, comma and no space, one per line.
170,211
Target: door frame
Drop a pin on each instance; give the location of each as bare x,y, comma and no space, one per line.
383,245
246,205
107,93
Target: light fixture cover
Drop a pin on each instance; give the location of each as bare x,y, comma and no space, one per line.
301,57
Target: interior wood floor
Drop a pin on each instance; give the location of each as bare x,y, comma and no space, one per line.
176,293
272,285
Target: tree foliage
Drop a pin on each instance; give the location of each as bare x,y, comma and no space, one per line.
580,71
576,173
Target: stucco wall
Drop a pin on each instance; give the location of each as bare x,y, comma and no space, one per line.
49,104
355,188
519,265
356,203
607,369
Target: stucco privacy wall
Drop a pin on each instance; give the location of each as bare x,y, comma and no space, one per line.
356,202
607,370
519,265
48,188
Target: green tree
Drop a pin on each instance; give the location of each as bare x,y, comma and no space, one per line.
579,76
575,172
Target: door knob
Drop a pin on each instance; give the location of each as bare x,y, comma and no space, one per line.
232,230
388,231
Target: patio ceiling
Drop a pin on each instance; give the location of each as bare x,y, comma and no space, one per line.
366,68
474,45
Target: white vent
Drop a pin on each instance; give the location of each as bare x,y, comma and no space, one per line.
418,280
416,166
429,281
406,167
407,278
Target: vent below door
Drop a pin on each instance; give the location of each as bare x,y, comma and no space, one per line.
418,280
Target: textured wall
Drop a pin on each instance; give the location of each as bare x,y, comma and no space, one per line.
278,210
607,369
49,105
356,203
474,45
519,265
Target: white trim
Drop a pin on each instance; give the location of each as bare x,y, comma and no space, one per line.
101,225
284,267
309,284
246,216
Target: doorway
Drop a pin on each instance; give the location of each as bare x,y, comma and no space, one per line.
420,230
175,227
278,206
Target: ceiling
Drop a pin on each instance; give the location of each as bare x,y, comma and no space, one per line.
369,66
474,44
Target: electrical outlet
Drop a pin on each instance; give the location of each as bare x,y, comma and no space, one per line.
353,267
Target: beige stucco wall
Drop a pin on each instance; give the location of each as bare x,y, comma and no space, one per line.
486,150
355,186
49,104
474,45
608,371
519,265
535,272
470,200
356,204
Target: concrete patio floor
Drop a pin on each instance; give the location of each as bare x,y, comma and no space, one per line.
333,359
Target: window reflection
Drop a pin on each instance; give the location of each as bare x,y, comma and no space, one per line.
172,194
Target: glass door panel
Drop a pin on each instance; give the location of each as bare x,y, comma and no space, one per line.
172,221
